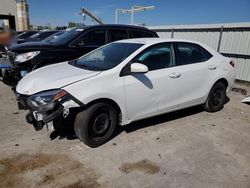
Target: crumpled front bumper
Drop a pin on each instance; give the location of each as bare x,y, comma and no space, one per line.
39,117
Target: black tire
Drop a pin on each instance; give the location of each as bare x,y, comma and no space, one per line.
216,98
96,125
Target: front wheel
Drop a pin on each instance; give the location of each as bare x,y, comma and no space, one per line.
96,125
216,98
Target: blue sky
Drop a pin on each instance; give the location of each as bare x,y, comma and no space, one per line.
60,12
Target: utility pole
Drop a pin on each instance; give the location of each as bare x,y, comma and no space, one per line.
132,11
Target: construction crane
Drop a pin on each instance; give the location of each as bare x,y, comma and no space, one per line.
84,12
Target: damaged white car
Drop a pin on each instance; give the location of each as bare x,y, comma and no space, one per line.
126,81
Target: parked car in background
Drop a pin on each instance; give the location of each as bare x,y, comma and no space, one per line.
41,35
126,81
24,35
70,45
20,32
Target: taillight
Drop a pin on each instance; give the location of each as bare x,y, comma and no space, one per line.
232,63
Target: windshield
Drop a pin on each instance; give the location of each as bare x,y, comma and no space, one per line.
41,35
54,36
106,57
67,36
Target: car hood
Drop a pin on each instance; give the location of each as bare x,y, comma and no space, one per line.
52,77
31,46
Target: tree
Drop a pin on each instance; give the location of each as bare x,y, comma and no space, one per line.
72,24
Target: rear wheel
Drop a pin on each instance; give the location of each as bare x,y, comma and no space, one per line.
216,98
96,125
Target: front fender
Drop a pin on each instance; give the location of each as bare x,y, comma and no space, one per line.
99,87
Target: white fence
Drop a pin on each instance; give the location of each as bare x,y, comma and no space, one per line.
232,40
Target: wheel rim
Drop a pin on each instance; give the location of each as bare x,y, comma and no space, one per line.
101,123
217,97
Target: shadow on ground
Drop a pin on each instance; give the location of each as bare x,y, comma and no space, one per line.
65,129
168,117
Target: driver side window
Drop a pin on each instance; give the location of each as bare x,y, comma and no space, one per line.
156,57
92,38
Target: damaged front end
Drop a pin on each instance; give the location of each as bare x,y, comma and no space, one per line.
46,106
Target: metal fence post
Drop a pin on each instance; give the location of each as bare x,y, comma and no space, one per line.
172,33
220,37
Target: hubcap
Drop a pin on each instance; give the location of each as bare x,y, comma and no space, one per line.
101,123
217,97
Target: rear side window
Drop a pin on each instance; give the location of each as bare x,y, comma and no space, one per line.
140,34
117,34
156,57
189,53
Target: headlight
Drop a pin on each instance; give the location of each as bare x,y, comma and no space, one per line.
45,100
26,56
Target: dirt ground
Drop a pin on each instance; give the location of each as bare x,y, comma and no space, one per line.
188,148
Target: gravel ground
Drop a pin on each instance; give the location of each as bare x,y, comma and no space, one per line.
188,148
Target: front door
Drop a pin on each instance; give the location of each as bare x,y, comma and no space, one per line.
90,40
155,91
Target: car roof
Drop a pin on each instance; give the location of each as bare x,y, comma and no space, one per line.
49,31
115,26
155,40
152,41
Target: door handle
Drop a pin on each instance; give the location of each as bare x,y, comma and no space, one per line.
175,75
212,67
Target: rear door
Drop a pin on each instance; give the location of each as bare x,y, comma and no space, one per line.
195,67
156,91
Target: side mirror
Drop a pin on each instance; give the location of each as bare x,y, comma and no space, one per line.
77,44
138,68
80,43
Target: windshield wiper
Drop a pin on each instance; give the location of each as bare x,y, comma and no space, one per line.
84,66
74,63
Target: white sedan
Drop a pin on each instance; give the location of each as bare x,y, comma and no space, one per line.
126,81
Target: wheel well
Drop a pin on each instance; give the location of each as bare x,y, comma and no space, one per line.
222,80
105,100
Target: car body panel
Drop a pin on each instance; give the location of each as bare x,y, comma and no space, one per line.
51,77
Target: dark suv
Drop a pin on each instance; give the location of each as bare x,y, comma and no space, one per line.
70,45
